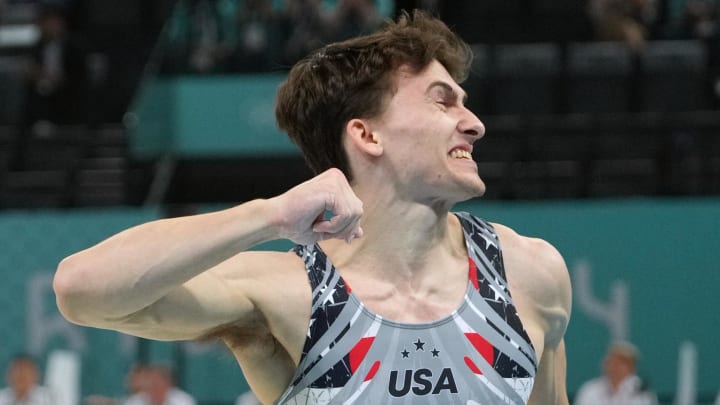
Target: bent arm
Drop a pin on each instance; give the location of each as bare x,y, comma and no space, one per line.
138,267
171,278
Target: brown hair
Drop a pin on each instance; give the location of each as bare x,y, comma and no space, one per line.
354,79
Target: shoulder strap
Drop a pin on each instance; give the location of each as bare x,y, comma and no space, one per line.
483,245
489,277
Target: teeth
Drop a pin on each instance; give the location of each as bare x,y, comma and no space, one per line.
460,154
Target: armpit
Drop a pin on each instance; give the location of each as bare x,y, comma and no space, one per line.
238,336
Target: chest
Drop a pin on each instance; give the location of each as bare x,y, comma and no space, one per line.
449,359
409,303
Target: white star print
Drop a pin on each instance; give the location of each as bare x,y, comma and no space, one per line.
488,240
498,295
330,297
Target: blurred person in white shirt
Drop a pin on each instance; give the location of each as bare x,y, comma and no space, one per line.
157,388
619,384
247,398
23,380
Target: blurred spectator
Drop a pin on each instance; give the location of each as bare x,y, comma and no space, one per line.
619,384
247,398
433,6
627,21
351,18
211,36
134,384
154,385
99,400
23,379
305,29
200,36
699,20
57,74
259,37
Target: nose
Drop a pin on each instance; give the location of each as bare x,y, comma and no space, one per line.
470,124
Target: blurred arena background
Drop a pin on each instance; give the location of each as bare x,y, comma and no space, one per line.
603,137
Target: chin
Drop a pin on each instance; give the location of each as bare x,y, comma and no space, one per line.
476,192
470,191
475,188
460,188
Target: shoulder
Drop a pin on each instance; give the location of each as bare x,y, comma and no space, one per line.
180,397
135,399
254,268
265,277
591,390
530,249
537,275
41,391
534,258
593,383
276,286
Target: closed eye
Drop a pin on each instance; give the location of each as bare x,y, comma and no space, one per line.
444,95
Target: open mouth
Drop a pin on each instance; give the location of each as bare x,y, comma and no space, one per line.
460,154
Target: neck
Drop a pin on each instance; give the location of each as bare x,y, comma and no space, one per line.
405,236
158,398
617,380
22,393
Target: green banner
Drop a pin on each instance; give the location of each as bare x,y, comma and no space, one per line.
202,116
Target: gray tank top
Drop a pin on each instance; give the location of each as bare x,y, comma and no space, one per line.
479,354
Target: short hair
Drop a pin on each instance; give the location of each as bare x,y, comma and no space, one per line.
625,350
23,358
355,79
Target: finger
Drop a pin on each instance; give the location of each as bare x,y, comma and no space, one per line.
357,233
348,233
337,226
344,216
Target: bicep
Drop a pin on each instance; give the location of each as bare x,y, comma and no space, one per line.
214,298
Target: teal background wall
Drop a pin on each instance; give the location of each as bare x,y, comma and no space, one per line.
666,253
209,116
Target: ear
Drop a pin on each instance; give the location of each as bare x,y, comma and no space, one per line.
360,133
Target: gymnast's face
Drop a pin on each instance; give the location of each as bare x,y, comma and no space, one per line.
428,134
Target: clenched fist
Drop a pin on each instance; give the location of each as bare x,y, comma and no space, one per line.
299,213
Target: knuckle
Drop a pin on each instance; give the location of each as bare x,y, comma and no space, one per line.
334,172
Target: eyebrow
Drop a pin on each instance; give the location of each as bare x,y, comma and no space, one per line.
448,89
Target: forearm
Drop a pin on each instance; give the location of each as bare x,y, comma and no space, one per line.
137,267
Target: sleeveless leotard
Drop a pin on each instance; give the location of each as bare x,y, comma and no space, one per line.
479,354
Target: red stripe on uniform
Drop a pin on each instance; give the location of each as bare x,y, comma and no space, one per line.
373,370
474,274
357,354
472,365
482,346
